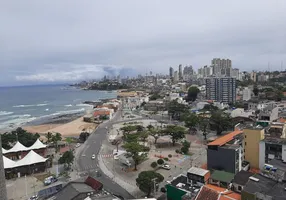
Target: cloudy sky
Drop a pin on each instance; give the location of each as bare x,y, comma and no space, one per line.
66,41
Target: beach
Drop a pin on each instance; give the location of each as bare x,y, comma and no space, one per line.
70,129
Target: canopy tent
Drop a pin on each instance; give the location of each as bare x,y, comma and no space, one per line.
8,163
31,158
19,147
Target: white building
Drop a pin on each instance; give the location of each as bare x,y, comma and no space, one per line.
246,94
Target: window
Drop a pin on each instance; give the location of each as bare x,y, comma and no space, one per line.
239,188
244,136
245,143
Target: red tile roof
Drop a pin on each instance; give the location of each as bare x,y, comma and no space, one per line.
101,112
212,192
224,139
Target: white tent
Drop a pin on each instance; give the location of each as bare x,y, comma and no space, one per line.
31,158
8,163
4,151
37,145
16,148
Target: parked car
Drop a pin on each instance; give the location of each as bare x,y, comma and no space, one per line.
77,145
167,167
49,180
93,156
35,197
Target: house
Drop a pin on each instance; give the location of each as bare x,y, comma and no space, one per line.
211,192
240,179
221,178
262,187
198,176
226,153
102,114
269,113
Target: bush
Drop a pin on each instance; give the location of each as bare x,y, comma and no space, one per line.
185,150
178,151
166,159
170,155
160,161
154,165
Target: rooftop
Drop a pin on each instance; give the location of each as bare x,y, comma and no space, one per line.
211,192
224,139
242,177
266,186
198,171
222,176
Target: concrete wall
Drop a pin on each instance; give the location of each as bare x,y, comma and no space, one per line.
222,159
261,154
284,153
252,137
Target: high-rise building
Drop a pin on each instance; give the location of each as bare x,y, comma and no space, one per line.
188,70
222,67
246,94
221,89
235,73
253,76
171,72
3,190
176,76
180,72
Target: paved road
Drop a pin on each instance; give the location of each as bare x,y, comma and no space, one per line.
92,146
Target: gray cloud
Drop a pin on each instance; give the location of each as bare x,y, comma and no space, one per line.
37,37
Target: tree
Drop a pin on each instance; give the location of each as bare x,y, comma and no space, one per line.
176,133
69,141
193,93
255,90
220,121
135,151
143,136
83,136
186,146
145,181
150,127
67,158
176,110
155,134
49,136
191,120
139,128
204,124
210,107
160,161
154,97
128,129
154,164
56,138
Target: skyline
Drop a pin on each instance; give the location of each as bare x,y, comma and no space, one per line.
55,42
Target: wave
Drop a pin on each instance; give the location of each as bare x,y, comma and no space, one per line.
69,105
84,105
33,105
16,121
2,113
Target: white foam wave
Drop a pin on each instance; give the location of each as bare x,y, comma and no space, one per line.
64,112
5,113
33,105
84,105
69,105
16,122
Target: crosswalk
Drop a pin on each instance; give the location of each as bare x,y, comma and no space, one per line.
106,155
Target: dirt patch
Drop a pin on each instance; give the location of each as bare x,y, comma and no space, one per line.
41,177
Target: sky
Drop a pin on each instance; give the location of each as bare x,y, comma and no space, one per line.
66,41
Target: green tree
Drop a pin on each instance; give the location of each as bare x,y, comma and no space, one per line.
139,128
255,90
160,161
145,181
204,125
193,93
49,136
150,127
176,110
83,136
143,136
136,151
154,164
210,107
176,133
155,134
191,120
220,121
185,147
67,159
56,138
278,95
154,97
69,141
128,129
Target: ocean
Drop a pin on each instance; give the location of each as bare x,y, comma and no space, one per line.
38,104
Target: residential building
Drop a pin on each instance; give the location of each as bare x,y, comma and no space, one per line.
198,176
171,72
221,89
221,178
211,192
269,113
252,138
176,77
253,76
226,153
246,94
235,73
155,105
222,67
188,70
262,187
180,72
240,179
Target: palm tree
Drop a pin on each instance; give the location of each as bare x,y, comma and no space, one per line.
69,141
55,138
49,136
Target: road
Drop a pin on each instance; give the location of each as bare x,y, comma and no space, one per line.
92,146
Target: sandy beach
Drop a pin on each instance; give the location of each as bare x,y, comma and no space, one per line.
73,128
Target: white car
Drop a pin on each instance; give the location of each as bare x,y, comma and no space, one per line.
77,145
93,156
167,167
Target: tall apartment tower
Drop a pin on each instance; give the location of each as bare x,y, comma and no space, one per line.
180,72
3,190
171,72
222,67
176,76
221,89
